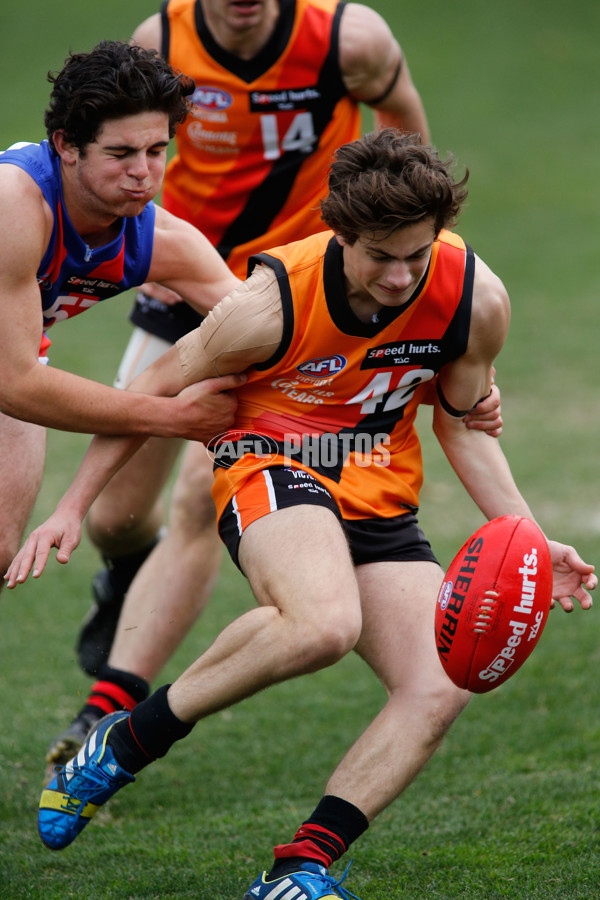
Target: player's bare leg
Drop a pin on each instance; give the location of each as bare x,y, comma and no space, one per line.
174,584
22,451
397,641
298,565
130,510
125,522
125,519
125,525
298,628
166,596
310,615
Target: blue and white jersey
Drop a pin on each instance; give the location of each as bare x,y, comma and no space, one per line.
72,276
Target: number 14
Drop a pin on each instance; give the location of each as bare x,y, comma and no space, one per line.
299,136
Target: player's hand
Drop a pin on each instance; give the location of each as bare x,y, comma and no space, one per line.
209,407
61,530
486,415
160,292
572,577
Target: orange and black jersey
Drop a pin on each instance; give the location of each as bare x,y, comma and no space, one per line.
253,156
357,384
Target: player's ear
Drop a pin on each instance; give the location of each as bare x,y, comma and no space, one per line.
67,151
341,241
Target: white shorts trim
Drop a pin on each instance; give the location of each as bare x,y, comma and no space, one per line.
142,350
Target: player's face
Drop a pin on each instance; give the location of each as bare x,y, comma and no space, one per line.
122,170
386,272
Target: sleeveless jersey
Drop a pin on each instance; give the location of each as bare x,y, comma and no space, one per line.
340,396
72,276
253,156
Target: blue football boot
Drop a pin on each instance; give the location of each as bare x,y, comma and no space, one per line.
79,788
309,883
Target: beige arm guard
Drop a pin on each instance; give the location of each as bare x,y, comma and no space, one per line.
243,329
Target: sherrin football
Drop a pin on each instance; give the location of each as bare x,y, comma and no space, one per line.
494,603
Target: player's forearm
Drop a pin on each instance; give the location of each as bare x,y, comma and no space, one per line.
103,458
410,117
481,467
57,399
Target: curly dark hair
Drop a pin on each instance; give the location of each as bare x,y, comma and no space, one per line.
113,80
387,180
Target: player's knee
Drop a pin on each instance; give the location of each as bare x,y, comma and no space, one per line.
192,506
12,537
328,638
441,702
7,555
112,529
448,705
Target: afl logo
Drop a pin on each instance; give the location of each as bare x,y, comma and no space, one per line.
211,98
323,367
445,594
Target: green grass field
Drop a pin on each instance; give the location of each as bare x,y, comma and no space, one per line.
508,808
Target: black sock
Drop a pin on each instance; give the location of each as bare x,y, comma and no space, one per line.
123,569
147,733
322,838
115,689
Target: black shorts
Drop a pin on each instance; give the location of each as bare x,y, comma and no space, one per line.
167,322
397,539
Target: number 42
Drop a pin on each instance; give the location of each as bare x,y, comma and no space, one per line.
375,396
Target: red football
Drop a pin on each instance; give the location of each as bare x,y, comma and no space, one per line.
493,604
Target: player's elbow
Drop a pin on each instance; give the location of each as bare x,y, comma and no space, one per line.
14,400
446,427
